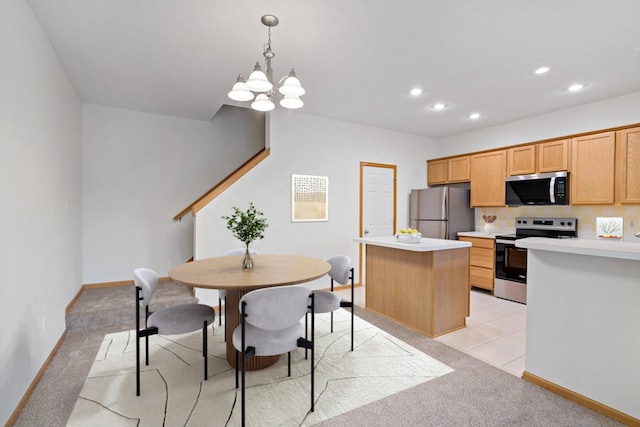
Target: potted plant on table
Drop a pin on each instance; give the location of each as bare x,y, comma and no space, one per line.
247,226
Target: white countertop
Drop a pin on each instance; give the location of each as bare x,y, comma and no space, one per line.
425,244
601,248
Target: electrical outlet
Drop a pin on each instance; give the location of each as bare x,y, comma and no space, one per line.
632,223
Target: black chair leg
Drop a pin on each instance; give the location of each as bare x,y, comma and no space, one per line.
289,363
205,349
137,364
306,333
313,345
353,303
244,364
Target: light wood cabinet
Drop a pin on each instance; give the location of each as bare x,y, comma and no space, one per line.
628,165
553,156
449,170
458,169
487,173
436,171
521,160
426,291
482,255
593,169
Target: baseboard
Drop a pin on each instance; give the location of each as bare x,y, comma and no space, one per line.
582,400
16,413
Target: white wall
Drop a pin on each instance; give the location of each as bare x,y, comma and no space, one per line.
140,170
311,145
613,112
41,188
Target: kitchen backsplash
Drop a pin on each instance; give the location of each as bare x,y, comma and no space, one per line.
505,218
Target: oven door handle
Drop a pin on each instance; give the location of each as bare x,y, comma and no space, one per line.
506,242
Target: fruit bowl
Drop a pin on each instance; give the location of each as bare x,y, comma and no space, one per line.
409,238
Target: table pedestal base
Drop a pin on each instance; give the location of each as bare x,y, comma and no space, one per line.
231,322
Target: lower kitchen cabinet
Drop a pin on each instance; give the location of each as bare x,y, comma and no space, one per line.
481,261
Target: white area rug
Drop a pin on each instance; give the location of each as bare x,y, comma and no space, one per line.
173,392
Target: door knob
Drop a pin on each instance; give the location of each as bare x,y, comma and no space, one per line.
367,232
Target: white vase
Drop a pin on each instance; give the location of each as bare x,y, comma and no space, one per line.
488,227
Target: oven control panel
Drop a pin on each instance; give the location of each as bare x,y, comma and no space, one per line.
568,224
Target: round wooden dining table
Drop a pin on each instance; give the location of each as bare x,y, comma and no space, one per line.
226,273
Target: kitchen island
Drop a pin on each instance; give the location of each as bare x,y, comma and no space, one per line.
424,285
583,339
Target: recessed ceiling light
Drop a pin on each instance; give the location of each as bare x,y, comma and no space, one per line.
474,116
416,91
576,87
438,106
542,70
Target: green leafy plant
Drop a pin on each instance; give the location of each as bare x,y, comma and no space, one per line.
247,226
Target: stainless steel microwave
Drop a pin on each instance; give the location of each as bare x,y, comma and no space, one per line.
537,189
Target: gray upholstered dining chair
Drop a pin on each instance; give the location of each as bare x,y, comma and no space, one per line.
222,293
172,320
327,301
271,325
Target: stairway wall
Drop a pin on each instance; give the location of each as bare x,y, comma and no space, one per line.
140,170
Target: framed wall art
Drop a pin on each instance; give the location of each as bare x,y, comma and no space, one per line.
309,198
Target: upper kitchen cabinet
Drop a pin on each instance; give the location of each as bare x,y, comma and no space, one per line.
488,171
437,171
458,169
553,156
593,169
628,165
448,171
521,160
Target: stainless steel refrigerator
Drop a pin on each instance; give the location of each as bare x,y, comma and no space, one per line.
441,212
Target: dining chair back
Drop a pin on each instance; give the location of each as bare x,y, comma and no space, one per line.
172,320
327,301
271,326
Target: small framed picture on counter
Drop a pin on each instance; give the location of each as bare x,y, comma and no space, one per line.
609,227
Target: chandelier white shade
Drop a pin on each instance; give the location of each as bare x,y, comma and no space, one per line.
239,92
259,87
262,103
291,101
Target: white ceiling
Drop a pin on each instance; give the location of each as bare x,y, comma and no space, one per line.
357,59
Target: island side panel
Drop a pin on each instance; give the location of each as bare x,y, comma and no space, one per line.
451,290
582,333
400,286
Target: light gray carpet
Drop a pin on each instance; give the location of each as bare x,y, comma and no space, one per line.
476,394
106,307
174,393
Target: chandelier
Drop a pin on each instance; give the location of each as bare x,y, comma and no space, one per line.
260,86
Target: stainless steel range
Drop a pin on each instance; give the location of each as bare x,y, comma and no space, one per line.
511,262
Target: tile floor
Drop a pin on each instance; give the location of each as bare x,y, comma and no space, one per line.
495,331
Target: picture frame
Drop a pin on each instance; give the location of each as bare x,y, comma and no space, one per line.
309,198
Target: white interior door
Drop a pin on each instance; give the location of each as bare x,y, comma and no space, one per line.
378,203
378,207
